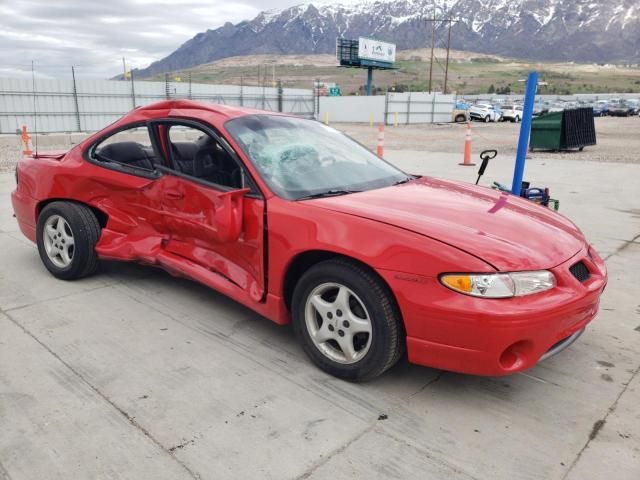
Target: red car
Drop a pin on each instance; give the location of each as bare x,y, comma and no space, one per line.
301,224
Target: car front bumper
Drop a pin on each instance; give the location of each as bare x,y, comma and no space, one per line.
457,332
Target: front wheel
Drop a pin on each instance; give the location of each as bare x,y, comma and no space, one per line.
67,234
347,320
487,119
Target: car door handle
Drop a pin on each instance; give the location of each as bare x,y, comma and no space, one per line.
173,195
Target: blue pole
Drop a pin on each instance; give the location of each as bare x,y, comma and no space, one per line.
525,129
369,81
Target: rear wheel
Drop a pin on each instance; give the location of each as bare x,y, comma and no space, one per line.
67,234
347,320
460,118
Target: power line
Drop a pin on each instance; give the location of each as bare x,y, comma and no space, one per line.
434,21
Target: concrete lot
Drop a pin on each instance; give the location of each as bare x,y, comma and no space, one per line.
135,374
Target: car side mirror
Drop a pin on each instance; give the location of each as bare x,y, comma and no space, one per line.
228,215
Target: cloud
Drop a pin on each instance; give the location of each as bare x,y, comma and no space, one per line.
95,35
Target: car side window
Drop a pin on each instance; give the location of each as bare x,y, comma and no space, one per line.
130,147
199,155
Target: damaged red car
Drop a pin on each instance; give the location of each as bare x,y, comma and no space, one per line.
301,224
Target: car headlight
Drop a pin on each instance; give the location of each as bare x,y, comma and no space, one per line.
500,285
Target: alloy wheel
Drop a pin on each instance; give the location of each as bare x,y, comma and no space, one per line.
338,323
58,241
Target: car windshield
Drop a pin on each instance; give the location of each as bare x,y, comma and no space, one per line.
300,158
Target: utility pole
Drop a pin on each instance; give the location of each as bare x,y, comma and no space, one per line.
133,90
446,68
433,44
75,97
433,21
124,69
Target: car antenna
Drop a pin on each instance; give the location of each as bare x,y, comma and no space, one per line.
35,110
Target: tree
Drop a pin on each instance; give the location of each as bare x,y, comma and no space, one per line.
492,89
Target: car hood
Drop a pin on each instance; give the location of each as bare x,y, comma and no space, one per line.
506,231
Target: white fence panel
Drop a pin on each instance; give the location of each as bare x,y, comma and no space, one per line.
403,108
419,107
352,109
96,103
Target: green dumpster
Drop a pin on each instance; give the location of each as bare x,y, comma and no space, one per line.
546,132
564,130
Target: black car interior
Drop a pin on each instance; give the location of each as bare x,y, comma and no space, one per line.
205,159
128,153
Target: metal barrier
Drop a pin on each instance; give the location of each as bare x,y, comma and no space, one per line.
59,106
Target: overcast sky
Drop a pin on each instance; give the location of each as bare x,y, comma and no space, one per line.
94,35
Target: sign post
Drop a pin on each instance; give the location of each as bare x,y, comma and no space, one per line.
366,53
525,130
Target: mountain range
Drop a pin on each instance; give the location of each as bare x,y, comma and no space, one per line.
593,31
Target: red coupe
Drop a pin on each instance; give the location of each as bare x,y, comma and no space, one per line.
301,224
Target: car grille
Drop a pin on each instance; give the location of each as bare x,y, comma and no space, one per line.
580,271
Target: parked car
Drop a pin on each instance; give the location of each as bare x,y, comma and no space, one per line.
600,109
634,103
513,113
460,112
540,108
621,108
485,112
557,107
301,224
499,113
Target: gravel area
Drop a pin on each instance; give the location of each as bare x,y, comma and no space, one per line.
618,140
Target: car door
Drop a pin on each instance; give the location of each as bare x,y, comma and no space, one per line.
213,212
123,187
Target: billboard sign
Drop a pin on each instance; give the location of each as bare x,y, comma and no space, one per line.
370,49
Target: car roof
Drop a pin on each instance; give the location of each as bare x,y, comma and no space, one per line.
229,111
209,112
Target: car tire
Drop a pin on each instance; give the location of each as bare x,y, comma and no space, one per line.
487,119
460,118
66,235
347,320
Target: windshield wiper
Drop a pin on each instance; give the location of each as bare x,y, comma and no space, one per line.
400,182
328,193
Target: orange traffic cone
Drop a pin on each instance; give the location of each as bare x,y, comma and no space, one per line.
25,139
380,149
467,148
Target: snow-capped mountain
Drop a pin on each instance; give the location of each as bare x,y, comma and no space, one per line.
603,31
